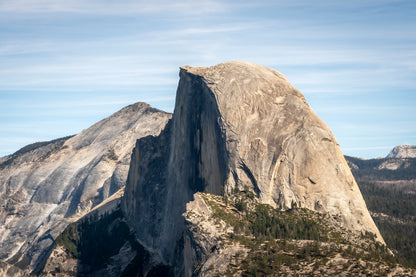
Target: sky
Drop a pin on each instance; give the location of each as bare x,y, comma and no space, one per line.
66,64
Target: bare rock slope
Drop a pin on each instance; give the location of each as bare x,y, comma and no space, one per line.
46,186
403,151
237,125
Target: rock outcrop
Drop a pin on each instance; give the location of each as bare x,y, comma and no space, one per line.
403,151
395,164
230,239
237,125
99,244
46,186
7,270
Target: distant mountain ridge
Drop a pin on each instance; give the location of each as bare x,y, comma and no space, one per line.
389,189
383,168
403,151
399,164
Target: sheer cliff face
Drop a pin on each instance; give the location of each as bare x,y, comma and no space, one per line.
188,156
238,125
46,186
278,146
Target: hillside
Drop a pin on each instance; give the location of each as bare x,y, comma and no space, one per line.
383,169
390,195
256,240
234,235
47,185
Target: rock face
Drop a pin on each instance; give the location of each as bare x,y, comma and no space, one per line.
403,151
7,270
46,186
394,163
237,125
207,241
101,245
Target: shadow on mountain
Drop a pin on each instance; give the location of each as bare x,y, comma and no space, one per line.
101,245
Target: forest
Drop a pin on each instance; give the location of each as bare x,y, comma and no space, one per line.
390,196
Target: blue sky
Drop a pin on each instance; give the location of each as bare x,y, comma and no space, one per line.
66,64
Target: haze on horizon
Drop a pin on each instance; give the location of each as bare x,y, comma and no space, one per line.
68,64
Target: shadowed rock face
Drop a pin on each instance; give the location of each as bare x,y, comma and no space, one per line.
46,186
188,156
239,125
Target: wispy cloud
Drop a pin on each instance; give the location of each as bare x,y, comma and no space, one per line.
236,27
106,7
361,53
369,148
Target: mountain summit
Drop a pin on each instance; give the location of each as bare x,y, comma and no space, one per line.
403,151
237,126
45,186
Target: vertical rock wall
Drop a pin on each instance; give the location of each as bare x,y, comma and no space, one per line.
237,125
165,172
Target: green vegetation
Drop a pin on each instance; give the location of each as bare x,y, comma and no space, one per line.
288,239
268,223
367,169
275,256
401,238
111,154
248,217
389,200
398,225
392,204
93,241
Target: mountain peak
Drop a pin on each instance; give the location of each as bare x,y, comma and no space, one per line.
403,151
238,126
263,117
245,74
138,107
46,185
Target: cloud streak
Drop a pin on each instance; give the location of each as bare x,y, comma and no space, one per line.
355,61
106,7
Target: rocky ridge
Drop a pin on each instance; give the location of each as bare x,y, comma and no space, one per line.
403,151
382,168
45,186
